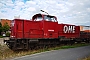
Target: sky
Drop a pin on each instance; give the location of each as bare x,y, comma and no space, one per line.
67,11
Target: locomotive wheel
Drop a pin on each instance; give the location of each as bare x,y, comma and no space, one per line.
18,44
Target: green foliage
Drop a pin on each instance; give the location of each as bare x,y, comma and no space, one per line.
6,27
1,36
68,46
0,24
7,34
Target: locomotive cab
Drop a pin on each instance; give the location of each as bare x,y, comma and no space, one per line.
49,25
40,17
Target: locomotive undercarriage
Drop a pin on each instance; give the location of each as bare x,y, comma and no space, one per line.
86,40
82,40
15,44
26,44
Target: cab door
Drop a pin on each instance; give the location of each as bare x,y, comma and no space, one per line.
20,28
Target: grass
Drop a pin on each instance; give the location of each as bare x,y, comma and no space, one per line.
1,36
6,53
88,58
73,46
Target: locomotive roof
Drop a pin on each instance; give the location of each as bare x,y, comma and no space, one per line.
43,15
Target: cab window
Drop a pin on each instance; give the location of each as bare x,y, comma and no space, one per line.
38,18
50,18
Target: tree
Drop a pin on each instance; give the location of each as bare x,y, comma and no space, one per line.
6,27
0,28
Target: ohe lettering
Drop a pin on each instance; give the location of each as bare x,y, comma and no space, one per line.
69,29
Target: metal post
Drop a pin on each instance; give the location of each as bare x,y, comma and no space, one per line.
44,11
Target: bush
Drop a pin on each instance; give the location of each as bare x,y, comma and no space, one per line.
8,34
1,36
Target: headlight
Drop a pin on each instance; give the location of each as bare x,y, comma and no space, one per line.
12,36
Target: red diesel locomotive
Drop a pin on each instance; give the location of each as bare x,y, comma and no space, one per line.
41,30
